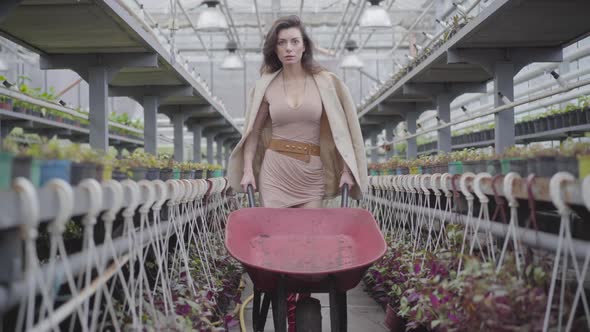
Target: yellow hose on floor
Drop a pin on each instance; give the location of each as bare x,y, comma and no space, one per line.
242,307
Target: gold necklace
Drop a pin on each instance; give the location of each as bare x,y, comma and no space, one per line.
285,90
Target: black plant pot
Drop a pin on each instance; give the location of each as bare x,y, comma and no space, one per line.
519,166
568,164
518,129
546,166
81,171
198,174
550,122
119,176
152,174
166,174
138,173
558,121
587,114
24,167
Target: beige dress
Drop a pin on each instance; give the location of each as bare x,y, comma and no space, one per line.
286,181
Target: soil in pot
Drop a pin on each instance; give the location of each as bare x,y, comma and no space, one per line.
55,169
568,164
152,174
27,168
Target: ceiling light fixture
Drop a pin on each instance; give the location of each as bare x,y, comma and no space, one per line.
232,61
374,17
211,19
351,59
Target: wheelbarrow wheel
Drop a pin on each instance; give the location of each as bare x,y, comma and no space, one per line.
308,315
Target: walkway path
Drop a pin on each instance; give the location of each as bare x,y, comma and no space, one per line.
364,314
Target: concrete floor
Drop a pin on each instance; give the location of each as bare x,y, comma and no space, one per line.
363,312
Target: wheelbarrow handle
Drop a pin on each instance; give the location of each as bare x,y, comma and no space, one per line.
344,202
251,201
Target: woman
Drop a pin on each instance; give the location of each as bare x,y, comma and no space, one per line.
302,139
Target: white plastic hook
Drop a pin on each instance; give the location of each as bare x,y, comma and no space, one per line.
161,194
149,195
483,198
174,190
132,188
435,183
423,180
555,191
29,209
463,184
116,190
508,188
65,203
188,190
444,180
95,199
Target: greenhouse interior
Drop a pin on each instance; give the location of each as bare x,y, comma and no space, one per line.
464,126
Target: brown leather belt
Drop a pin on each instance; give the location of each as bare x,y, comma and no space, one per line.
298,150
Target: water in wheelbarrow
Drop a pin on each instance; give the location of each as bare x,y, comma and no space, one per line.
304,241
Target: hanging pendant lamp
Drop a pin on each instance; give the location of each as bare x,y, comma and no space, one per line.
351,59
232,61
211,18
374,17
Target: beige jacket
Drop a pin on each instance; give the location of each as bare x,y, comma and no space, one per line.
340,136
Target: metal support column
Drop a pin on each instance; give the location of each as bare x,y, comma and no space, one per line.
374,144
504,85
178,122
219,154
197,136
227,149
443,102
210,148
99,110
389,128
150,123
412,149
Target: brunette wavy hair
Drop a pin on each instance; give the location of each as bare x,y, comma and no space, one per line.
271,61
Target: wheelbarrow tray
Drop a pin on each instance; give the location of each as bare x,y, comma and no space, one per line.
305,245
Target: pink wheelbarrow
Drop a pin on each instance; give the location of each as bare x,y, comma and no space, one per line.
288,250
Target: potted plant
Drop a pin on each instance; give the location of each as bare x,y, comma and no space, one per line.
23,164
171,168
53,161
85,163
187,170
513,160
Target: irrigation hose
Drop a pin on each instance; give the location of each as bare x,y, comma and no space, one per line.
242,307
